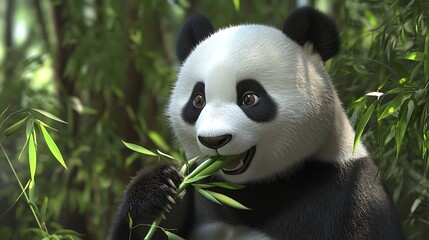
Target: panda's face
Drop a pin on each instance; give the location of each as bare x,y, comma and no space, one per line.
251,93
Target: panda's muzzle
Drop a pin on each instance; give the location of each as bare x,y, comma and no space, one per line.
236,164
240,162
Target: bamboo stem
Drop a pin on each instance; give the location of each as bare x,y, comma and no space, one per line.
183,185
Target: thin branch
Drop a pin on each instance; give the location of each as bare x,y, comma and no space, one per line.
42,227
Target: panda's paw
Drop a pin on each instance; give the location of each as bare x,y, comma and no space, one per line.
152,192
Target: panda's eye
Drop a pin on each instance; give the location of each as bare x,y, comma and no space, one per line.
199,101
250,99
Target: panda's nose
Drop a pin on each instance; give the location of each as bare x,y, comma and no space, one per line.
215,142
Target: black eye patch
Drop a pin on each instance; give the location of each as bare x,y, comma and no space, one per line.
264,110
190,113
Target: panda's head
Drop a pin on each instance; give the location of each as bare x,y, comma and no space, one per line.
254,92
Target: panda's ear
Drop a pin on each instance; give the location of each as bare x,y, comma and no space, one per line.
195,30
307,25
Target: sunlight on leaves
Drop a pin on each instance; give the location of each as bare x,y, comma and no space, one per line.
49,115
32,156
236,5
392,106
415,56
52,146
139,149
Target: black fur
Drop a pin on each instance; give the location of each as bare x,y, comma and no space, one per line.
264,110
190,113
319,200
196,29
145,198
215,142
316,200
309,25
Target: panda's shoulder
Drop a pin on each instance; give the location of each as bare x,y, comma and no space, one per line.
340,172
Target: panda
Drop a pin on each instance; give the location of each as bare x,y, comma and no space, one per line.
263,96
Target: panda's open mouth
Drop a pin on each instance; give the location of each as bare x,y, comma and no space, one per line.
240,162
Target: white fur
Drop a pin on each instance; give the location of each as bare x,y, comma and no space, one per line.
220,230
310,121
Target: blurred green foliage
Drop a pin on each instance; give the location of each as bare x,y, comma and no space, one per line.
107,67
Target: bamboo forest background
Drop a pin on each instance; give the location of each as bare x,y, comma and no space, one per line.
106,67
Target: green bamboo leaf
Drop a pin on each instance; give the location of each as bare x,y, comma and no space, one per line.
359,100
130,159
216,165
139,149
52,146
209,170
392,106
416,71
159,142
236,4
207,195
426,66
29,127
201,167
28,131
39,122
69,232
31,194
202,185
49,115
360,69
415,56
184,169
43,209
227,200
39,232
389,134
402,124
14,127
396,91
425,133
172,236
227,185
32,156
165,155
371,18
193,179
362,123
188,164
